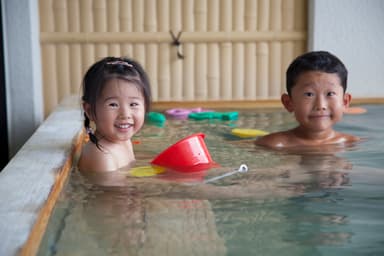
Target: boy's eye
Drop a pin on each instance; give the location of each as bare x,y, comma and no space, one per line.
331,94
308,94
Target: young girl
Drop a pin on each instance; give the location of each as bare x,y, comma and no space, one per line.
116,97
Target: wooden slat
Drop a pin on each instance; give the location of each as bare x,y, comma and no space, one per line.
262,55
250,71
201,75
86,16
226,68
188,71
238,71
164,37
250,15
263,14
151,68
48,55
213,72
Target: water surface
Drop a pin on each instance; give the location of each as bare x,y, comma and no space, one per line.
321,202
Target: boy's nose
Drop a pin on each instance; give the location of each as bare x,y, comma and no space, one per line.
321,103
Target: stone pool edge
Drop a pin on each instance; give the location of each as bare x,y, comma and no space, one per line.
34,177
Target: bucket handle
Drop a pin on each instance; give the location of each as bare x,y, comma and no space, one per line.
242,169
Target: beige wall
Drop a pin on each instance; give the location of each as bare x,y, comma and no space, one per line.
233,49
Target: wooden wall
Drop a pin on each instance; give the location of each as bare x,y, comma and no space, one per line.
233,49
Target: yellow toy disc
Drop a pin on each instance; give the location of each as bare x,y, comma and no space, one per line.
146,171
248,133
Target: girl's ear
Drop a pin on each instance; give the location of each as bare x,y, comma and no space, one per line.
88,111
287,102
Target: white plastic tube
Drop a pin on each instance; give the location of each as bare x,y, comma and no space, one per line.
242,169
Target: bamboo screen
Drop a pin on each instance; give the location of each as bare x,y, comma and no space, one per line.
229,49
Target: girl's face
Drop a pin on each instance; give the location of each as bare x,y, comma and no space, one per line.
120,111
317,100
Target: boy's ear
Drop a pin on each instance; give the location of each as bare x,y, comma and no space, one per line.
287,102
88,111
347,99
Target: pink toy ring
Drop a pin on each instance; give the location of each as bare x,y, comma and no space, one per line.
181,112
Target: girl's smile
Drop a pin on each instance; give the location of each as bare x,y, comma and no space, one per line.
116,97
120,111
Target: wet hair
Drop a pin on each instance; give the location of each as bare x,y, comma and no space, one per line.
104,70
315,61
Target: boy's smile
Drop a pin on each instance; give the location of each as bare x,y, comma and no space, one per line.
317,100
316,84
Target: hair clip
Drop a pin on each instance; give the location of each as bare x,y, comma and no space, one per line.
89,130
119,62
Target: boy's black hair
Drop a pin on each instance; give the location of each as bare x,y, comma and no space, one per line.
112,68
315,61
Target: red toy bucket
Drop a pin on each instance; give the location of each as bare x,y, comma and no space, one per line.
189,154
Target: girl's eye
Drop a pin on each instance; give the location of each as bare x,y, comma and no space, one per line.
113,105
134,104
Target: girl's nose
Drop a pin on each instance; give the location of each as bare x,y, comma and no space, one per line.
125,113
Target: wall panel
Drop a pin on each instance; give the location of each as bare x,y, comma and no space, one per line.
227,49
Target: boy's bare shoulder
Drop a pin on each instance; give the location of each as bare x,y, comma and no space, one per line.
346,138
274,140
286,139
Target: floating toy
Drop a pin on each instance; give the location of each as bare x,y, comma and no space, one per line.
178,112
146,171
248,133
183,113
355,110
156,118
199,177
242,169
189,154
214,115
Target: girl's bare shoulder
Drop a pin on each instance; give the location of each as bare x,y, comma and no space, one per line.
93,158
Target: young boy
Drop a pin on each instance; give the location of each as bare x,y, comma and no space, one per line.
316,94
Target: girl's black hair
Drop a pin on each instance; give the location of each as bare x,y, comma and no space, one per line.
315,61
111,68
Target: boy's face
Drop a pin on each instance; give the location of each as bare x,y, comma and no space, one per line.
317,100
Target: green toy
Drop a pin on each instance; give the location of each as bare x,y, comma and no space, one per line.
214,115
156,118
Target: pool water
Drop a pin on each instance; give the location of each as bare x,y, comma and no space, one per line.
327,201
